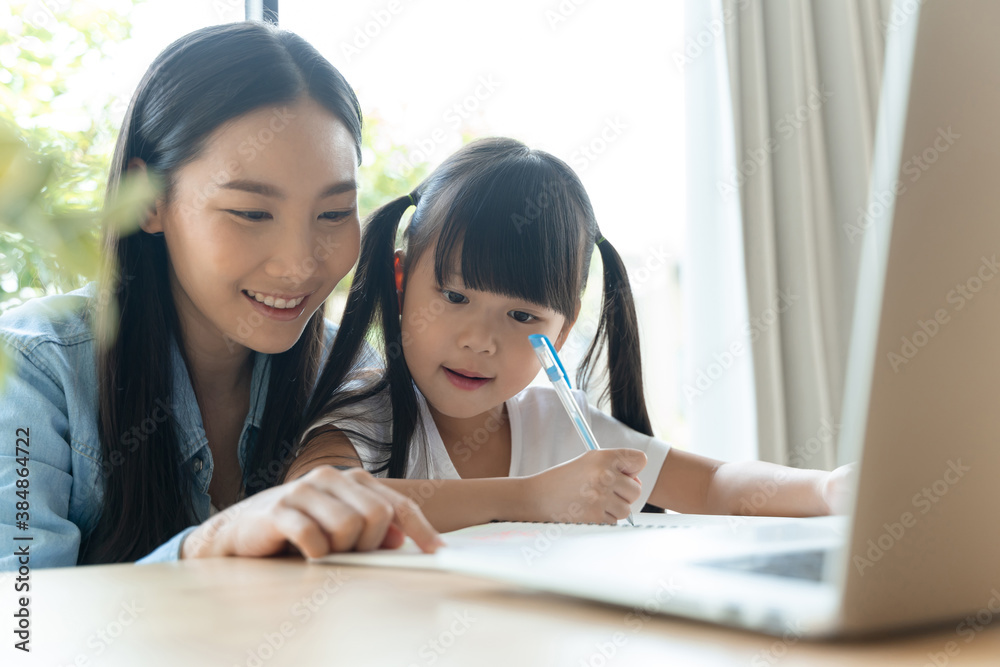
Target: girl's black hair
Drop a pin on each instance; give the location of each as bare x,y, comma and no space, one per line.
525,228
198,83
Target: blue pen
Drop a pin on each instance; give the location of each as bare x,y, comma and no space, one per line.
560,381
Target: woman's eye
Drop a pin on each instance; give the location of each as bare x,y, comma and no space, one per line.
336,216
255,216
522,316
454,297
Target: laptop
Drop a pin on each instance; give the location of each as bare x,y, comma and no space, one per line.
921,412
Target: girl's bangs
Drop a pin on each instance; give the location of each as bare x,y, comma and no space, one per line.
518,234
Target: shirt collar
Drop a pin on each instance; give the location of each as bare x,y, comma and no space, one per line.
258,387
187,414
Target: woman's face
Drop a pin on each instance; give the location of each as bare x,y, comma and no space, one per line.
261,228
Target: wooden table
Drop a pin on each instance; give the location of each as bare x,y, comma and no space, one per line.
274,612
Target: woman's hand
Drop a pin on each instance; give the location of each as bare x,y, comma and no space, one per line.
596,487
322,512
838,488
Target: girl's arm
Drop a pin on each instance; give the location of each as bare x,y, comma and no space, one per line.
699,485
597,487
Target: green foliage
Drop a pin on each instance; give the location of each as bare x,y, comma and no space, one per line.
55,163
54,159
56,145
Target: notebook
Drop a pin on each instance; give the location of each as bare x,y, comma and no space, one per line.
921,409
533,541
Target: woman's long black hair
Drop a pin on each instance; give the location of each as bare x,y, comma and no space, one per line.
196,84
526,229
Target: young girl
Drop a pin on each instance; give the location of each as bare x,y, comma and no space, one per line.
499,248
122,449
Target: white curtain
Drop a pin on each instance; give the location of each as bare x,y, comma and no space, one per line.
782,100
717,391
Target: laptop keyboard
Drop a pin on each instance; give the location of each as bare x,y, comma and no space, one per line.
806,565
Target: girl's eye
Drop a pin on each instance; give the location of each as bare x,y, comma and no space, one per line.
336,216
521,316
454,297
254,216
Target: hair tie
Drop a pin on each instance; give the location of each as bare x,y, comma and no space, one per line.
413,202
598,241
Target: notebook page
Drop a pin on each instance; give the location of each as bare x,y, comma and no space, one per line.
526,537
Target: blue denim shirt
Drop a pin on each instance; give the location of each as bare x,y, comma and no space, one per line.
51,391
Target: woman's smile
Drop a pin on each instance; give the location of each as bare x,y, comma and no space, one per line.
279,309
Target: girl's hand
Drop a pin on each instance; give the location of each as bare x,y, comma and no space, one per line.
838,488
322,512
596,487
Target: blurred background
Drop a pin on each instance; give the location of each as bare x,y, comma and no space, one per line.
599,85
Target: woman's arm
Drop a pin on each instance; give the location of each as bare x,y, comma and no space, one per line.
699,485
324,511
596,487
36,471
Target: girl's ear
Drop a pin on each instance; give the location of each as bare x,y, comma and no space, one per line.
564,333
397,266
153,223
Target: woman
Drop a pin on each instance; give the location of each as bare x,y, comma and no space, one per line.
191,408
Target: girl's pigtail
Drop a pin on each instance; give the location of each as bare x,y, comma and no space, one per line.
619,330
405,413
372,303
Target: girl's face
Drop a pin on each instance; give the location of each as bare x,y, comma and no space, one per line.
468,351
261,228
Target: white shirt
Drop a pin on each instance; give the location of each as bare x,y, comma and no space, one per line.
542,436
